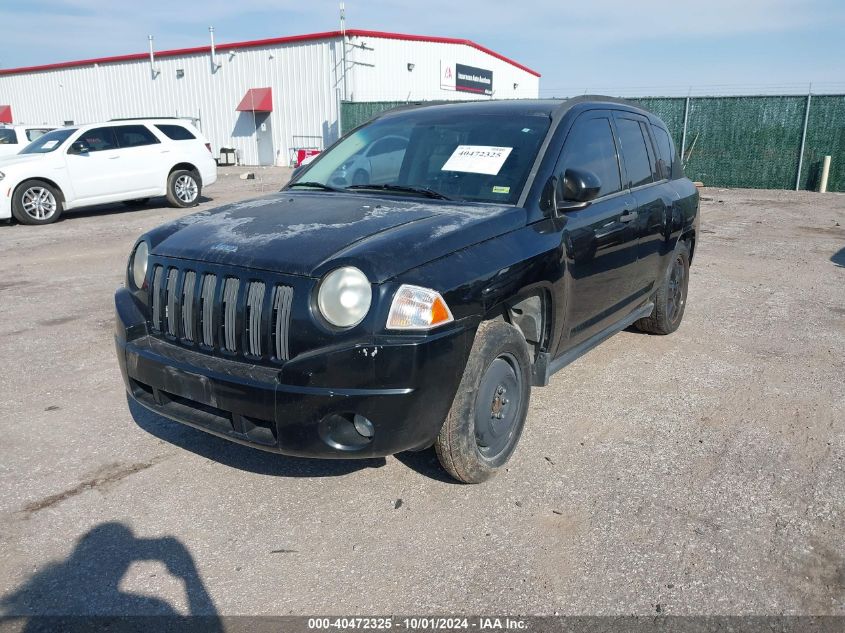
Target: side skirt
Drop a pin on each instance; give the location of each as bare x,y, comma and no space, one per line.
544,366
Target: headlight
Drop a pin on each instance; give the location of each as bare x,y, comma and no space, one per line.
344,297
138,264
416,308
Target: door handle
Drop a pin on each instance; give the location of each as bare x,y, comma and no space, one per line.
628,216
165,151
113,157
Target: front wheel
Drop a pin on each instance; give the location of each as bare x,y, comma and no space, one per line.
36,202
485,422
670,300
183,188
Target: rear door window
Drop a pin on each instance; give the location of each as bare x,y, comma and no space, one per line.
387,145
134,136
176,132
8,137
99,139
590,147
635,152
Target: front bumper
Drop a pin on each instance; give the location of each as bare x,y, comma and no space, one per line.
5,200
403,385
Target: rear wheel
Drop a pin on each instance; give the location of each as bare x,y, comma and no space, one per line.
36,202
488,413
670,300
183,188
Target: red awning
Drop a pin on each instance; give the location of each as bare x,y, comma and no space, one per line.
257,100
5,114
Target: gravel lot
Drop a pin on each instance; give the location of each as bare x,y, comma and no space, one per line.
702,472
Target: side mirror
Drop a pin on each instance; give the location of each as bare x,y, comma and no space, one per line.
79,147
580,187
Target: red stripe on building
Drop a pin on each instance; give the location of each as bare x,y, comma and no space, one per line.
292,39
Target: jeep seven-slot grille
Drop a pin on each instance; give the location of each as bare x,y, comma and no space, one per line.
241,317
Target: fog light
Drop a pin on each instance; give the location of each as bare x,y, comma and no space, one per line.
364,426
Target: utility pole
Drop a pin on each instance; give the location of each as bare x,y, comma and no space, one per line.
343,43
154,72
214,65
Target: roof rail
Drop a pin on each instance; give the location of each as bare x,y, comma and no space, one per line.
146,118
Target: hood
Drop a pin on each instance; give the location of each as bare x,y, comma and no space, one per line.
14,159
307,234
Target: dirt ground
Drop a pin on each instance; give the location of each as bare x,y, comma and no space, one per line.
699,473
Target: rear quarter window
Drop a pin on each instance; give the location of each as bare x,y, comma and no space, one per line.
665,147
7,137
176,132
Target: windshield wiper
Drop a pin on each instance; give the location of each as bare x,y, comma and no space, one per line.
315,185
425,191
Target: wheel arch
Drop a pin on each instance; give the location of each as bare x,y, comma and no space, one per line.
46,181
689,236
530,312
187,167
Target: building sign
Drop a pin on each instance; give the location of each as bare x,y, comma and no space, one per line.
470,79
466,78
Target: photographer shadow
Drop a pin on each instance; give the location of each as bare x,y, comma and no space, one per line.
83,593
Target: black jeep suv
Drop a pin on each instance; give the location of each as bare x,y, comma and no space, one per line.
410,286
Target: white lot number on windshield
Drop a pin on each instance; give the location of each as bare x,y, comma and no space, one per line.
477,159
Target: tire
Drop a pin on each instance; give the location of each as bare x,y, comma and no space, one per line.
36,202
183,188
138,202
670,300
473,444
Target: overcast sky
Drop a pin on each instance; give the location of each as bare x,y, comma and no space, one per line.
622,47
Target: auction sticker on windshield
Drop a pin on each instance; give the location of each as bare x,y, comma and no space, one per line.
477,159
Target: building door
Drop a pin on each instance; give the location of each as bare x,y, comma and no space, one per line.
264,138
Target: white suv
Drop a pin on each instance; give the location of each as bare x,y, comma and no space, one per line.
13,138
120,161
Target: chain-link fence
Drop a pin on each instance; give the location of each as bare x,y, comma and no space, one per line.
745,141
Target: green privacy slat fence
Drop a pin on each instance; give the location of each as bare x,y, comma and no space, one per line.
354,113
670,110
733,141
825,137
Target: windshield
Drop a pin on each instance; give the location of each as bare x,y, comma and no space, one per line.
48,142
483,158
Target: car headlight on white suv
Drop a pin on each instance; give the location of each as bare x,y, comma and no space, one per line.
138,263
344,297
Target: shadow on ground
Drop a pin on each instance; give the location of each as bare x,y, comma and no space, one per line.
119,207
71,595
243,457
838,258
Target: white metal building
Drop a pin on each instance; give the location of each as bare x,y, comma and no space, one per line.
225,87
